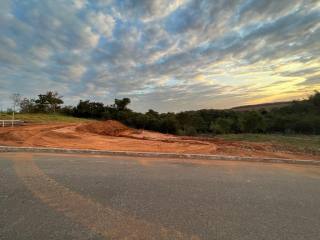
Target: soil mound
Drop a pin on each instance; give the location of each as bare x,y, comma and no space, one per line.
110,128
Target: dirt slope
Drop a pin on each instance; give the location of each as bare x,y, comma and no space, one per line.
112,135
109,128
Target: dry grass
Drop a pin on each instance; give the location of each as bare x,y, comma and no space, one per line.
43,118
299,143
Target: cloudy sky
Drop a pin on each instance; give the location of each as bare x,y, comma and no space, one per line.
168,55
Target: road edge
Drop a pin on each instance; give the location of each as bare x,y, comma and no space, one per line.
158,155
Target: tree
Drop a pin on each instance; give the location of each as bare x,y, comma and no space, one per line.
121,104
315,99
253,122
27,105
50,99
16,99
89,109
169,123
152,113
221,126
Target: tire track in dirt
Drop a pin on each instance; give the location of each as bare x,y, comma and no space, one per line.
32,140
110,223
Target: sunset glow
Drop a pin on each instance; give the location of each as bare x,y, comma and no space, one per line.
165,55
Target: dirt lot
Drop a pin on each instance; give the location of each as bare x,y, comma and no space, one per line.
112,135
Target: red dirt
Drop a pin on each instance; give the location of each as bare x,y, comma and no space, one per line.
110,128
112,135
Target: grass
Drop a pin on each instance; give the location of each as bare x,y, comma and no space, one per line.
299,143
43,118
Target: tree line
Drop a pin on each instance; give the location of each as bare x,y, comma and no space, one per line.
301,117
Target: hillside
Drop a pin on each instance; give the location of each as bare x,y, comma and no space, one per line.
266,106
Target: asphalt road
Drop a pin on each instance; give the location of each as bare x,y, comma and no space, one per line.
90,197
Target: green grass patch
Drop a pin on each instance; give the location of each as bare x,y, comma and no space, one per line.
299,143
43,118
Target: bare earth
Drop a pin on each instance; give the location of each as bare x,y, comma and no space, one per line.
112,135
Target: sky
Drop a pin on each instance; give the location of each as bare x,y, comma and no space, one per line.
166,55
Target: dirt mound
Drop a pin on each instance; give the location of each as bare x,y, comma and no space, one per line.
109,128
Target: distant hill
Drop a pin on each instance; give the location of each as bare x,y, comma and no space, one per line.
266,106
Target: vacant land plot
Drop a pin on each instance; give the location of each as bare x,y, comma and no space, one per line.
112,135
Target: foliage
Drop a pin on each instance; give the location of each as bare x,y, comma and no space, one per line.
121,104
49,102
301,117
45,103
253,122
27,106
221,125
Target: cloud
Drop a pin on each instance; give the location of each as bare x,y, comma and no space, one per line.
166,55
312,80
147,10
79,4
76,71
103,23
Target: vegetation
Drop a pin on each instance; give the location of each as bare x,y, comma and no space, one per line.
299,117
298,143
45,103
43,117
266,106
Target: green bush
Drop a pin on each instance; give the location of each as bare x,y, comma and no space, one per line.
298,117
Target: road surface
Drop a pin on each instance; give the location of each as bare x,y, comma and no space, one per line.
90,197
